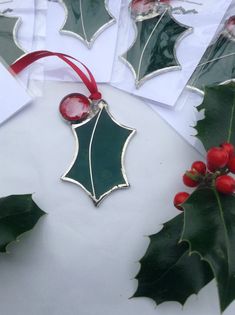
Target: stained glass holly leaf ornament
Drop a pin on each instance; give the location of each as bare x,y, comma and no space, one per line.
10,50
217,64
98,163
153,51
86,19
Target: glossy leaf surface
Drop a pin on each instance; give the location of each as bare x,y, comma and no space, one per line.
218,126
167,271
210,230
18,214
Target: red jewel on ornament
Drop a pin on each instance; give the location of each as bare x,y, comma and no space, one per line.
75,107
230,25
142,6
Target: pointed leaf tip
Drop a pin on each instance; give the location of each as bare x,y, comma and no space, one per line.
166,263
18,214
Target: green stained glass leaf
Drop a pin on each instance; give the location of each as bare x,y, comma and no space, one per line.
218,126
209,230
18,214
98,166
167,264
9,49
216,66
154,49
86,19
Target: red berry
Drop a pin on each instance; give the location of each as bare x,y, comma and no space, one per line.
231,165
200,167
75,107
229,148
180,198
225,184
217,158
191,182
211,168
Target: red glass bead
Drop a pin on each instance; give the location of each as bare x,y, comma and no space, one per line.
75,107
142,6
230,25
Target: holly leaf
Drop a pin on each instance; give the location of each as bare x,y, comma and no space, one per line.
216,66
154,49
210,232
167,263
98,165
218,126
10,51
86,19
18,214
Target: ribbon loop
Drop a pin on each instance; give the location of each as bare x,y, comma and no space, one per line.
30,58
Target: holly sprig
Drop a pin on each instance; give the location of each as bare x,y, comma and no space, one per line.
198,245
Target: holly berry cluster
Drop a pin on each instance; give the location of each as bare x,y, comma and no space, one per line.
220,162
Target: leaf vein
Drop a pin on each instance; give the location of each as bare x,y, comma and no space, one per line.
90,154
225,229
146,44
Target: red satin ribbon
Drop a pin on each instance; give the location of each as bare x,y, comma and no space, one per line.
30,58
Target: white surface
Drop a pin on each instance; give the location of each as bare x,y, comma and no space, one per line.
10,86
80,260
183,117
189,51
99,59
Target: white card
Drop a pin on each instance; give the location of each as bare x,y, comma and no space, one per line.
184,117
13,96
166,88
99,58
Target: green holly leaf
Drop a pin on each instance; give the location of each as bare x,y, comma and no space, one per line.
167,263
210,231
86,19
18,214
9,49
218,126
98,164
154,49
216,66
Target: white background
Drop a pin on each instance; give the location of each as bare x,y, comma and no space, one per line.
80,260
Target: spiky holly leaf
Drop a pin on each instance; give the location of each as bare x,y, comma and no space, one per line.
154,49
216,66
18,214
218,126
210,231
167,263
98,164
9,49
86,19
